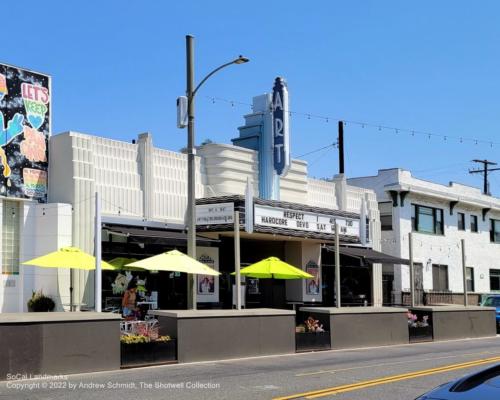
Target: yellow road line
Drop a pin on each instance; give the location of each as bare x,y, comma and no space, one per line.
388,379
414,360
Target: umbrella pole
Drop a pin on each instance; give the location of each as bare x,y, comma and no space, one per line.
71,289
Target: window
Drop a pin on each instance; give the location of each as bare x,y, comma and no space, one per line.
494,279
427,219
492,302
469,278
385,209
461,221
439,277
10,237
495,230
473,223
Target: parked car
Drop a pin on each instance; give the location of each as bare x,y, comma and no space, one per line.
483,385
493,300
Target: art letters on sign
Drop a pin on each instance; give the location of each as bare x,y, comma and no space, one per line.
24,132
281,138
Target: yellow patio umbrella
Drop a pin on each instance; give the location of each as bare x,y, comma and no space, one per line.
273,267
175,261
68,257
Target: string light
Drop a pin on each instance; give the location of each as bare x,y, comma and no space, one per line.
362,124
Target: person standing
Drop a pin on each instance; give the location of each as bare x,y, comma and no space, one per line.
129,300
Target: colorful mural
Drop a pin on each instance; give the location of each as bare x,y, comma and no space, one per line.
24,133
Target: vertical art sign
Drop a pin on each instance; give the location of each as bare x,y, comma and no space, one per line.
281,139
24,133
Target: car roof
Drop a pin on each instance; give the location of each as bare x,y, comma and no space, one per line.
483,385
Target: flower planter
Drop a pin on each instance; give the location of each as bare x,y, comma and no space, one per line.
420,334
140,354
312,341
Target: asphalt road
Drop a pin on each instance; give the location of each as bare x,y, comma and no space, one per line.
281,376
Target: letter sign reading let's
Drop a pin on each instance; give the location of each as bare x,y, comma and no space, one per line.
281,141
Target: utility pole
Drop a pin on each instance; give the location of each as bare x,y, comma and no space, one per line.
340,143
484,171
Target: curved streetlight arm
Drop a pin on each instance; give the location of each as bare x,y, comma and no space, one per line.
209,75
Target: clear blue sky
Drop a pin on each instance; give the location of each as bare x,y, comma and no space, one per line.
118,66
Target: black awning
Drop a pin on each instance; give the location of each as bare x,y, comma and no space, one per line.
369,255
155,236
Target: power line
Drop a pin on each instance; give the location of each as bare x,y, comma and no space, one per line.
379,127
315,151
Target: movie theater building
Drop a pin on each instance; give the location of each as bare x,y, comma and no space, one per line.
143,189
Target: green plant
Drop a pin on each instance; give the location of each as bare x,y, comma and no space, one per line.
40,302
134,339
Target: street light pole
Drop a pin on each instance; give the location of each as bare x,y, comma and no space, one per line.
191,151
191,203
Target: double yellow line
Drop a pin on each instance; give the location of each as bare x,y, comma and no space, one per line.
388,379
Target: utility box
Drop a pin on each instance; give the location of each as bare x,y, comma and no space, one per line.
182,112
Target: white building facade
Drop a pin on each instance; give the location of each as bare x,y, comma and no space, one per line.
440,217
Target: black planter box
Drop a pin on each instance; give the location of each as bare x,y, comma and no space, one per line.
140,354
420,334
312,341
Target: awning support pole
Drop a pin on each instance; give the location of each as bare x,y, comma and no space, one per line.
97,254
237,258
412,271
464,268
337,266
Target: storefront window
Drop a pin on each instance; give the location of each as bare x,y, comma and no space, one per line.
10,237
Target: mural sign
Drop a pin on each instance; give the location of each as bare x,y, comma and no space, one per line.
24,133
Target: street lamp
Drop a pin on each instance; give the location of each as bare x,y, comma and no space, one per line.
191,206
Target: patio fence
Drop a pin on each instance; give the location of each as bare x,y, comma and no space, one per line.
433,298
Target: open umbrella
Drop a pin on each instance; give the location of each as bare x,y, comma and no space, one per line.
68,257
176,261
273,267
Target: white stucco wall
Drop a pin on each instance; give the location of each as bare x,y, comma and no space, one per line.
43,228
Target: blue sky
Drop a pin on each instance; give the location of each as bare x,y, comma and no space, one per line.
118,66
